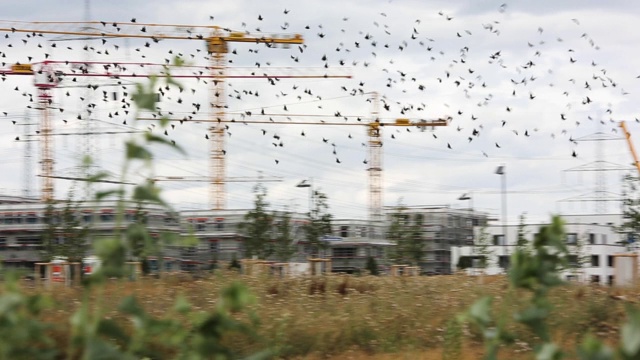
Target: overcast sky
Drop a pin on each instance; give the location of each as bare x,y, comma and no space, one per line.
520,79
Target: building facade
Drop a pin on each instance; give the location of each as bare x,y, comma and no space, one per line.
592,242
437,230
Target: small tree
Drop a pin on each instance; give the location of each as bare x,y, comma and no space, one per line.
234,264
257,227
407,236
581,256
522,243
65,234
282,242
630,227
372,266
318,224
482,247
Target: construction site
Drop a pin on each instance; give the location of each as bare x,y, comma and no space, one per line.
223,122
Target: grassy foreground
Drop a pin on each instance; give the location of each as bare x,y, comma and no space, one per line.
366,317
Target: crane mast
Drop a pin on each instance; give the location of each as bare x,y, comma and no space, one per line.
375,170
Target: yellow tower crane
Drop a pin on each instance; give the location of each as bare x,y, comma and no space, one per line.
627,136
217,39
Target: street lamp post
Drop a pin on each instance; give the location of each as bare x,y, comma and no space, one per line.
468,197
501,170
308,184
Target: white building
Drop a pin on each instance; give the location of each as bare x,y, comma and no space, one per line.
592,242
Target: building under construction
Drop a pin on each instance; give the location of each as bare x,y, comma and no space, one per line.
24,223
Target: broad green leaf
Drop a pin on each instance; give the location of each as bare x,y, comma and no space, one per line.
170,238
98,349
480,311
178,61
181,304
112,254
110,329
157,139
147,192
187,240
98,176
87,160
549,351
630,333
130,306
145,101
108,193
135,151
164,121
593,349
235,297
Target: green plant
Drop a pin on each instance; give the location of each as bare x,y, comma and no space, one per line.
372,266
257,226
22,335
536,273
65,235
183,333
319,223
283,240
407,236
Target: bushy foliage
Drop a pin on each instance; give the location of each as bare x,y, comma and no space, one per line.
537,272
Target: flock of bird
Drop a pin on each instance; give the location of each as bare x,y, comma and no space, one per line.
484,89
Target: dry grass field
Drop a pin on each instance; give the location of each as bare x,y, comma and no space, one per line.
346,317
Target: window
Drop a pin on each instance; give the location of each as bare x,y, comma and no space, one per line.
344,231
106,217
610,279
344,252
87,218
219,224
572,239
213,246
379,252
595,279
28,241
572,278
188,251
610,261
3,243
31,219
592,239
201,227
503,261
498,240
595,260
572,261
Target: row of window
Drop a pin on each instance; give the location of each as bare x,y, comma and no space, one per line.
571,239
86,218
348,252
